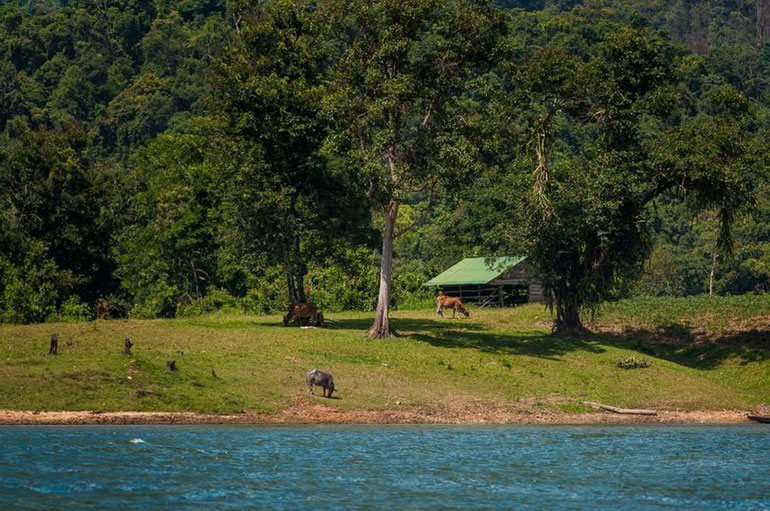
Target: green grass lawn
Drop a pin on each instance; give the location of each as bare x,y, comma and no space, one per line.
704,353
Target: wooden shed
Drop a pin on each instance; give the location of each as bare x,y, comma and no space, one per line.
504,282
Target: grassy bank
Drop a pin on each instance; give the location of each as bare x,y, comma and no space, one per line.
704,354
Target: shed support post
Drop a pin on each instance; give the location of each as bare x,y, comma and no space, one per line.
501,295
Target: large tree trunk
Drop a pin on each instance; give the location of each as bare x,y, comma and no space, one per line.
381,326
300,273
570,322
300,291
567,310
289,276
713,267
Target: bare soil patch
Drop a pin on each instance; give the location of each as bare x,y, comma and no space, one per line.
308,410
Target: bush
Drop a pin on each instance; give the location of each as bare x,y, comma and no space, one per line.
215,300
407,291
350,284
72,310
112,306
353,284
423,299
266,294
23,304
155,301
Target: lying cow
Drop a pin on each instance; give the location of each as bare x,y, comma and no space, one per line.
303,311
450,302
322,379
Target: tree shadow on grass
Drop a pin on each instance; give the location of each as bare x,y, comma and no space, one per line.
406,326
673,342
681,345
532,343
227,324
468,334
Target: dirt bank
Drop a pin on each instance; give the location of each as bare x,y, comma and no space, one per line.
309,412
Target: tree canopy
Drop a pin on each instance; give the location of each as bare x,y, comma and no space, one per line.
162,158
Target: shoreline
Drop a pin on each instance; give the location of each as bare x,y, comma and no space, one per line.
321,414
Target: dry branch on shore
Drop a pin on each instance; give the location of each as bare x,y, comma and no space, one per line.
624,411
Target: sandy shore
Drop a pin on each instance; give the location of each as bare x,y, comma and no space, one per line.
313,413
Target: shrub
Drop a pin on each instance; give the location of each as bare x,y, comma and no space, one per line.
155,301
215,300
24,304
347,285
408,293
353,284
266,294
73,309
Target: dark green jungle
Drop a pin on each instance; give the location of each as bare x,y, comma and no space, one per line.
169,159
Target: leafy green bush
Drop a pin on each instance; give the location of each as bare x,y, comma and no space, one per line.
24,304
267,293
423,299
215,300
353,284
350,284
157,300
73,309
408,292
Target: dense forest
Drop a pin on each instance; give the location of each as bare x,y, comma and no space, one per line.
162,159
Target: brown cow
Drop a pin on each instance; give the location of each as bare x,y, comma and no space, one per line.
450,302
300,311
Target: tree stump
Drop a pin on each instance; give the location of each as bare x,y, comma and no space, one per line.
171,365
53,350
127,346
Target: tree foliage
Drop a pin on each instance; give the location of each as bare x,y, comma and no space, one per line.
397,82
285,196
163,158
610,129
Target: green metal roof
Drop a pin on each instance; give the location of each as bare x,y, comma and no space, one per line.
474,270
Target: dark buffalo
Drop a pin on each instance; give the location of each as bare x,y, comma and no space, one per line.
322,379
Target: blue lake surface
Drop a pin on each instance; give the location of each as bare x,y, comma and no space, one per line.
385,467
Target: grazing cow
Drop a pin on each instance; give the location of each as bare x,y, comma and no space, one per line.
322,379
450,302
300,311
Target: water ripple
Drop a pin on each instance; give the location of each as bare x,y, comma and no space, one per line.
385,467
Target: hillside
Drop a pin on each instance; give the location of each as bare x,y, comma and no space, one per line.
130,186
705,355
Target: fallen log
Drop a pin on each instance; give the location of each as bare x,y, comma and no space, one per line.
626,411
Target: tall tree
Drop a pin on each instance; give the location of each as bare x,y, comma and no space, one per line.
607,132
396,83
167,242
269,85
53,239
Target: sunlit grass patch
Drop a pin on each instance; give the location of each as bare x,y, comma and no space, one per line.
232,363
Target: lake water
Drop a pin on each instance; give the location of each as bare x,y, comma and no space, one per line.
385,467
